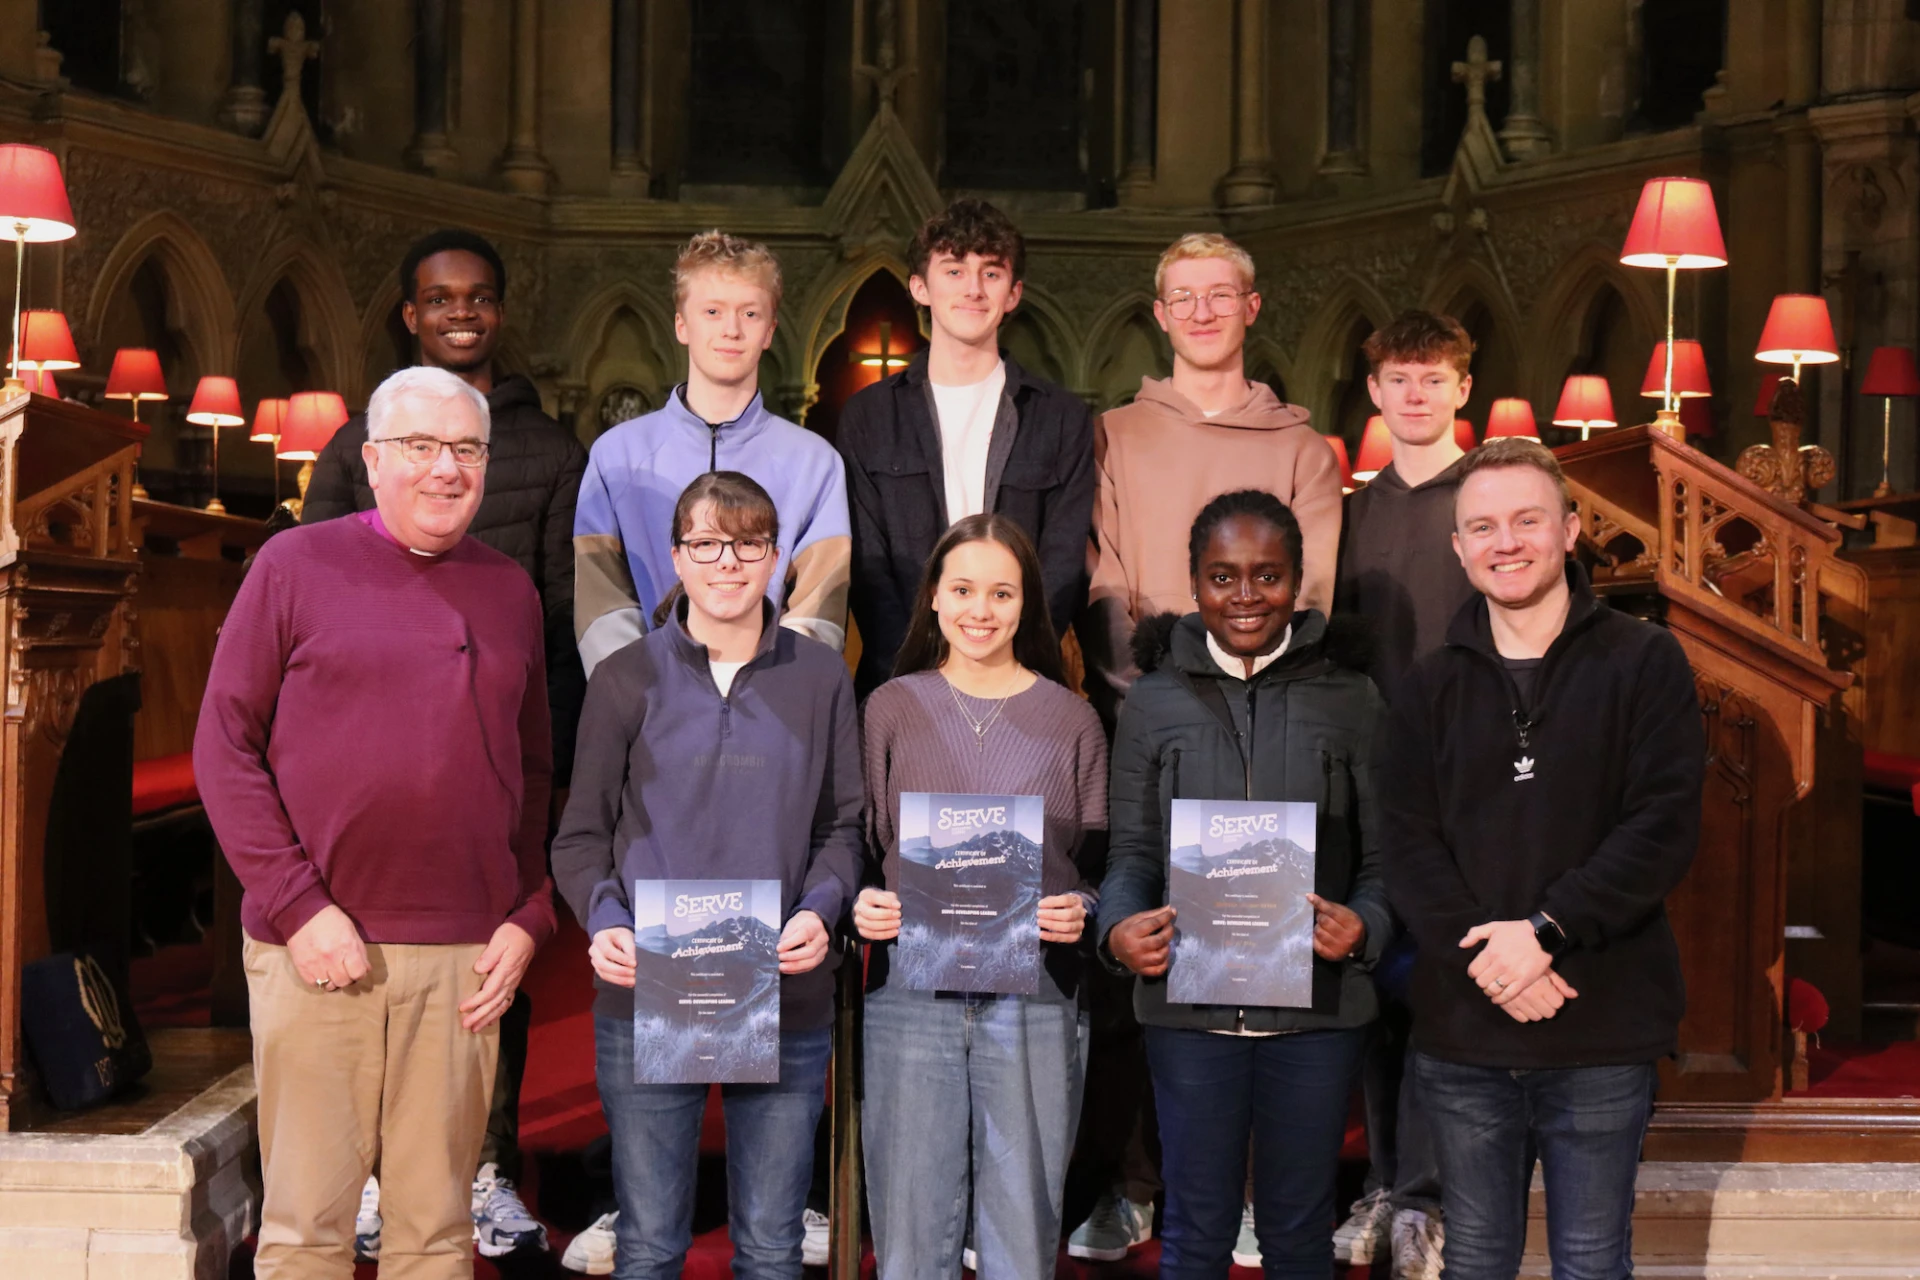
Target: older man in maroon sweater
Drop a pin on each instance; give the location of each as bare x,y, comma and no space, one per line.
374,752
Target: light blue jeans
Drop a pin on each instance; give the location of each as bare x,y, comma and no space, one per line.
988,1082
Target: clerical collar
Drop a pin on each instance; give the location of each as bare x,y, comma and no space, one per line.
1237,667
371,518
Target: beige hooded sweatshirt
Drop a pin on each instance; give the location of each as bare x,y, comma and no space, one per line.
1158,461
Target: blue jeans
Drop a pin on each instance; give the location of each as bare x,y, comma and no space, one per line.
656,1150
1587,1123
1289,1093
950,1080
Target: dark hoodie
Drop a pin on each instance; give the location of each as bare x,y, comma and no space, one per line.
1584,804
1398,569
526,512
1312,717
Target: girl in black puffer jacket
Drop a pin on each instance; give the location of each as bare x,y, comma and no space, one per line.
1248,700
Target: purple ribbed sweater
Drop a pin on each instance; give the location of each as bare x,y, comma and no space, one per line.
375,735
1046,742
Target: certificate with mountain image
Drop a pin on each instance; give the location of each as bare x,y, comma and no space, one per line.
706,981
1238,880
970,892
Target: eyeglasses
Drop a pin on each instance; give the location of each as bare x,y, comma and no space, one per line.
1220,302
424,451
709,550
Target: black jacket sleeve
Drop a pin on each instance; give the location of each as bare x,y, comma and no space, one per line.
1067,529
1136,878
566,678
1368,897
1636,865
1422,879
879,609
339,474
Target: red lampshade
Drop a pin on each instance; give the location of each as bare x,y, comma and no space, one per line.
1339,447
1675,225
1376,449
1463,433
269,416
312,418
1511,416
46,342
1689,370
216,403
1798,330
33,195
1891,372
1768,382
40,382
1585,401
136,375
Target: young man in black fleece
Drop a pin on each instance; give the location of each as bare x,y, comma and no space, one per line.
1540,798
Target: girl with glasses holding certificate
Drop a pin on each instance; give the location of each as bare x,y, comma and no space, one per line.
976,725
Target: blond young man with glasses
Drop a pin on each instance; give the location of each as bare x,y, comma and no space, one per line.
1185,440
374,752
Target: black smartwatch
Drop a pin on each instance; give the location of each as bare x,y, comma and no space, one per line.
1551,937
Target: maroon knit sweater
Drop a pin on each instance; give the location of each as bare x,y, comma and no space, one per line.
375,735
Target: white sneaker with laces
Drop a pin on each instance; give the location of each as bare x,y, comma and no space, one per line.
591,1252
1115,1226
1246,1249
366,1224
1418,1239
501,1222
1364,1235
814,1243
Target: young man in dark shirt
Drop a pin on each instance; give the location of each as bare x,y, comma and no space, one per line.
1397,569
1540,797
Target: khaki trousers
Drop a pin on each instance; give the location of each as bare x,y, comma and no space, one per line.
382,1071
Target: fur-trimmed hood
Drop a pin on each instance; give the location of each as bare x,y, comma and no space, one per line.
1346,641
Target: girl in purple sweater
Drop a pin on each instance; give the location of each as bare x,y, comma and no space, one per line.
978,706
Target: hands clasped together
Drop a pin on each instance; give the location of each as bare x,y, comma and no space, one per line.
1515,972
876,915
328,952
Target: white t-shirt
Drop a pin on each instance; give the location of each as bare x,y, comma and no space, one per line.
723,674
966,429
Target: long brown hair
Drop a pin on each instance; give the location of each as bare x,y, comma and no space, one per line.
740,508
1035,646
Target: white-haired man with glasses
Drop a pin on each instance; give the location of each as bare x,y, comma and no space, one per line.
374,753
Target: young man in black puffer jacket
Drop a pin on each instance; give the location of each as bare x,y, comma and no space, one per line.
455,289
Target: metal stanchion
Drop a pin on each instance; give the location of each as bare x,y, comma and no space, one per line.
843,1256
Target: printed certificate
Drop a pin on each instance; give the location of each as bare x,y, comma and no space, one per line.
970,892
1238,879
706,990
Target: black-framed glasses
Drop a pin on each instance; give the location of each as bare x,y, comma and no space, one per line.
424,451
1220,302
709,550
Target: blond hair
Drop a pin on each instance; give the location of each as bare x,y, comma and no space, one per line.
717,251
1203,244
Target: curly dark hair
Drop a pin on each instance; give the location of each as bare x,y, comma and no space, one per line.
969,226
1257,503
441,241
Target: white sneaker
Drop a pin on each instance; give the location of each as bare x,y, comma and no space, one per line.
1364,1235
1246,1249
1418,1239
501,1223
591,1252
366,1224
1115,1226
814,1243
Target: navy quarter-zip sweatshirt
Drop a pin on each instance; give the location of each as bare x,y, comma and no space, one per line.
1583,802
672,781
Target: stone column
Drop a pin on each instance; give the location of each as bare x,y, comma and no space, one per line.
1525,134
1140,120
1250,181
630,174
1345,21
523,167
244,109
430,149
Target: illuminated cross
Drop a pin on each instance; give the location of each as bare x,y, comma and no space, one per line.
1474,73
887,358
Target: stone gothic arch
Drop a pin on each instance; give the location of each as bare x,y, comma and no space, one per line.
200,308
329,327
1562,320
1124,344
1324,365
